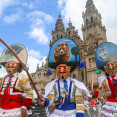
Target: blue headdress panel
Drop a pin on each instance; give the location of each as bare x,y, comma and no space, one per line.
106,52
64,51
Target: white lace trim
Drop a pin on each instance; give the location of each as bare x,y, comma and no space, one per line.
109,109
64,113
10,113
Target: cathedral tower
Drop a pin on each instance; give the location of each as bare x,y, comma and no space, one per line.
94,33
92,27
59,31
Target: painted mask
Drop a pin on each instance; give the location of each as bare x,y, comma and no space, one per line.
63,71
12,67
111,68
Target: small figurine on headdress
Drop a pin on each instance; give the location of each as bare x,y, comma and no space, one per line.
66,92
106,60
13,85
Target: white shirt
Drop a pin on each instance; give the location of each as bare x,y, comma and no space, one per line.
61,82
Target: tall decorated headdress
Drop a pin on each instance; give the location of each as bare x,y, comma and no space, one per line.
64,51
106,52
8,56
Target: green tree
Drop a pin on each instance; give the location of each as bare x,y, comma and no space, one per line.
75,52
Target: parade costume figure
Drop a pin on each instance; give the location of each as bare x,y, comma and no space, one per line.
67,93
106,58
13,85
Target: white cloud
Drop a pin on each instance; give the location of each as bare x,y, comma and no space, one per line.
34,53
33,60
0,49
41,15
38,22
108,9
39,35
32,67
5,3
13,17
30,5
61,3
32,63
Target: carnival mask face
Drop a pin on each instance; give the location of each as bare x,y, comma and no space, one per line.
63,71
111,68
12,67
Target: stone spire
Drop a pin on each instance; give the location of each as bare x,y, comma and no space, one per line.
89,2
59,24
70,23
37,66
90,8
92,26
59,31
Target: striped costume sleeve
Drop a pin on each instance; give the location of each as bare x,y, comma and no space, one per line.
50,97
1,83
25,85
80,108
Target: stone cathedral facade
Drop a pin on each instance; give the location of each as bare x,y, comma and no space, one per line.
94,33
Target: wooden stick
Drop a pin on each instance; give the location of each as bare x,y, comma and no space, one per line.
23,65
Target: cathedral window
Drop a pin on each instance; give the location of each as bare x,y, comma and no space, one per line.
91,19
93,59
87,21
74,75
90,62
44,74
82,74
69,33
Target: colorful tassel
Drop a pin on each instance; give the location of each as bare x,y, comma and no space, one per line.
13,86
98,71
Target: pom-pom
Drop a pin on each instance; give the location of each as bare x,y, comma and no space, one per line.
98,71
27,67
82,64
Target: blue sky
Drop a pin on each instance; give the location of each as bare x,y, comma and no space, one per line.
30,23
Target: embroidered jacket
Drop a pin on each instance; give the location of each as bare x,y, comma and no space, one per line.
109,85
19,84
76,89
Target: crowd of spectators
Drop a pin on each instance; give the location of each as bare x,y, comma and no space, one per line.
94,106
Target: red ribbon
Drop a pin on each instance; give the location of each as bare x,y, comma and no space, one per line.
7,91
112,85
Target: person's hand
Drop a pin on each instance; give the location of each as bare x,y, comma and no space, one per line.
85,108
92,93
41,101
24,112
